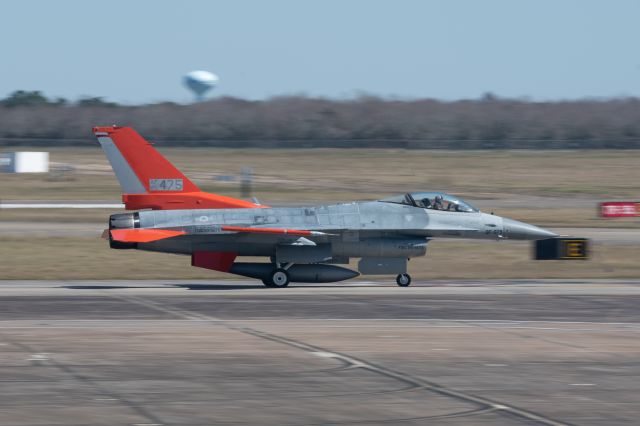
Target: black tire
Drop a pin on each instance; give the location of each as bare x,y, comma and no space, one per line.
267,282
403,280
279,278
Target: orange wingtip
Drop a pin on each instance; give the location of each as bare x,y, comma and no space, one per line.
296,232
143,235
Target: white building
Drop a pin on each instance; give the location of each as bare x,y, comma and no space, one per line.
24,162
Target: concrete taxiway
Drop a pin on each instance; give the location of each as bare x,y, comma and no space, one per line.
554,352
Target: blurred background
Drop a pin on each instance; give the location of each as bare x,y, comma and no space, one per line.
530,110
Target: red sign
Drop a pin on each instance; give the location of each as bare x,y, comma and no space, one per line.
620,209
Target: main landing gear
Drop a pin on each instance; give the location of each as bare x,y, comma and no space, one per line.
278,278
403,280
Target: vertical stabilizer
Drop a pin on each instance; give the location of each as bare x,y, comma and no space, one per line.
149,180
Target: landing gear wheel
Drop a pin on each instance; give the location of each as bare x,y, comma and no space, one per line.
403,280
279,278
267,282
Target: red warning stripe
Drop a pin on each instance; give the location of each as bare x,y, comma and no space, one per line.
620,209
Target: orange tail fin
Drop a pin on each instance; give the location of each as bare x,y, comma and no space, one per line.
150,181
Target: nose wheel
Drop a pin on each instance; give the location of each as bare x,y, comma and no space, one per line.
403,280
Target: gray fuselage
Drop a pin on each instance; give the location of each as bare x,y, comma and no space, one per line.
357,229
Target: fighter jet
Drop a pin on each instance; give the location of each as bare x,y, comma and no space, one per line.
300,244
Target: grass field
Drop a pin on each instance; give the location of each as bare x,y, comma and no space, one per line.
321,174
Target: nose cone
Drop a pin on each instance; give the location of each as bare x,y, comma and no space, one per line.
523,231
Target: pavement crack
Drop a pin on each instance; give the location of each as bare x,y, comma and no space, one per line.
100,391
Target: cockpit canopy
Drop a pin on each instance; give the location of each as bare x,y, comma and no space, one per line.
434,201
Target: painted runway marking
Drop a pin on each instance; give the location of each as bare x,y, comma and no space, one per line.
198,317
323,354
62,206
39,357
338,323
581,384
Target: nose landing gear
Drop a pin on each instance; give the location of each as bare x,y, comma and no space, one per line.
403,280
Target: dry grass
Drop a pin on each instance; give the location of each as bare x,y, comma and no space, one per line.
570,181
90,258
320,174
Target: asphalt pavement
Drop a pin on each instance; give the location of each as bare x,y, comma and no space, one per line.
468,352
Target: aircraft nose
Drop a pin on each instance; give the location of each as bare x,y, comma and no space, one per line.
524,231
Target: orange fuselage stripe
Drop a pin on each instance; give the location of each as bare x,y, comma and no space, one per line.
143,235
296,232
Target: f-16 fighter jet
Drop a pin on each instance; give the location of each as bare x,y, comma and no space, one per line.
300,244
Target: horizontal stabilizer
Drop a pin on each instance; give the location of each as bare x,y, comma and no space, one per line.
143,235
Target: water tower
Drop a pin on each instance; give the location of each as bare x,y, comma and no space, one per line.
200,82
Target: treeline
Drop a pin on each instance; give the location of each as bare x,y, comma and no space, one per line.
30,118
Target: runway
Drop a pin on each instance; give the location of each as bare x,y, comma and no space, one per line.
553,352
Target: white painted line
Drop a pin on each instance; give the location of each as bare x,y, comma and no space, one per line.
581,384
61,206
151,326
38,357
324,354
420,322
473,321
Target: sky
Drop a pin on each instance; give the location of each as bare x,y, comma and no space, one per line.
136,51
